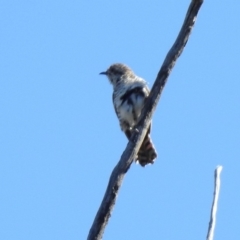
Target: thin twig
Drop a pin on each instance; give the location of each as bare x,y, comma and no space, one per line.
212,222
135,142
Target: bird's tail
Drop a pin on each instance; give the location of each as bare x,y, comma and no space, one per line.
147,152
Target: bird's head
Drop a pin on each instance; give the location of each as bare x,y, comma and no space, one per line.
117,72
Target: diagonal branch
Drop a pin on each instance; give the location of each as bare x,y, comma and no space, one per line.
135,142
212,222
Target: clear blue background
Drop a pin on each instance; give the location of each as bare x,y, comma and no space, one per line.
60,138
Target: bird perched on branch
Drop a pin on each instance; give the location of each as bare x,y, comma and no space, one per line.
129,94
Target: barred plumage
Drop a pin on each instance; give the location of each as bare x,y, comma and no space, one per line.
129,94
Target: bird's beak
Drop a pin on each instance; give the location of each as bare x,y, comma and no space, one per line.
103,73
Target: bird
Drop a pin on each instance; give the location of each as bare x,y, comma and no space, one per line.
129,95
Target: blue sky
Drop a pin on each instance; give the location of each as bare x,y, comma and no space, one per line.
60,138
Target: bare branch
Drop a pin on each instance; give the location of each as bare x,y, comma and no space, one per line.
135,142
212,222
